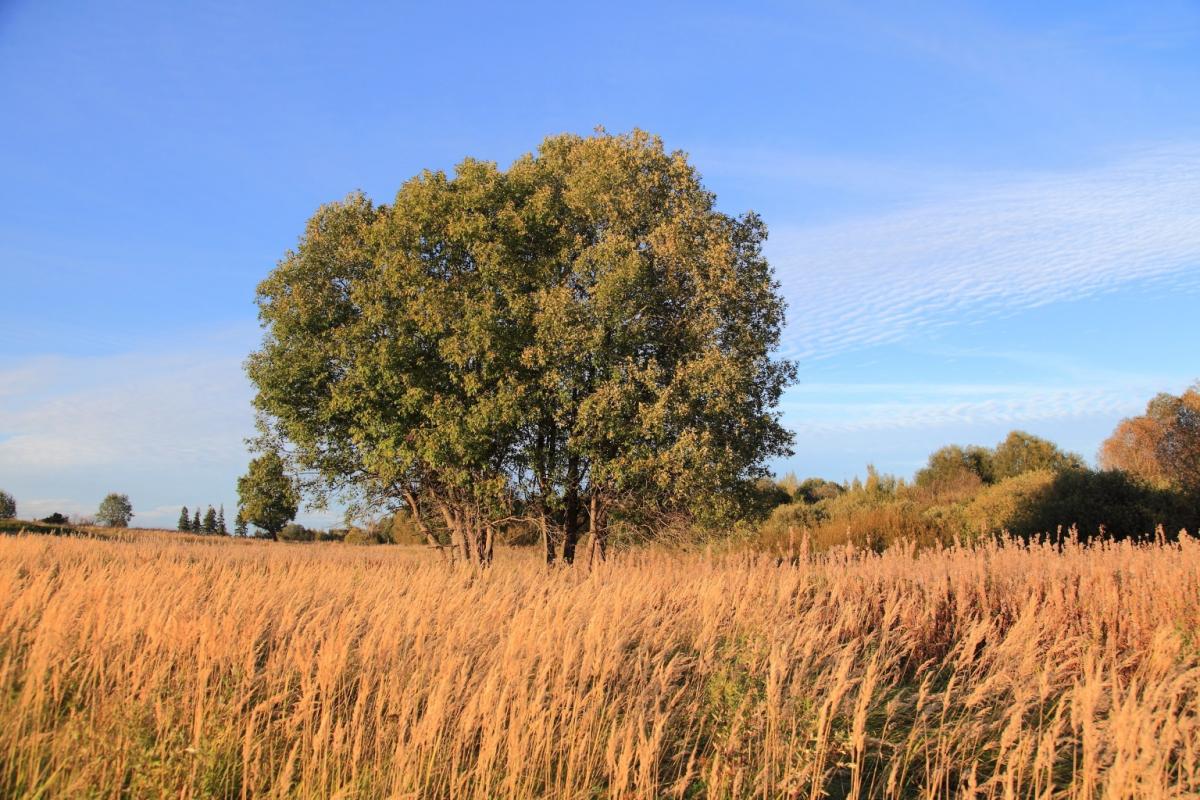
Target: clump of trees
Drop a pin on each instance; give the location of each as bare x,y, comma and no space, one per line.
213,521
1161,446
581,343
1024,486
1020,452
115,511
8,505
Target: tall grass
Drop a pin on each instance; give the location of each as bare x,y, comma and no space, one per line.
151,667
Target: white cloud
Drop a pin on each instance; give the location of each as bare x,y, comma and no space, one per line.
988,252
852,408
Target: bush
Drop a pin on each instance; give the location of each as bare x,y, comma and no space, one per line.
360,536
1044,501
814,490
55,519
297,533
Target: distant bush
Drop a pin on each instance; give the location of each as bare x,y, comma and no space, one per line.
955,504
22,526
295,532
1110,501
814,490
360,536
8,505
55,519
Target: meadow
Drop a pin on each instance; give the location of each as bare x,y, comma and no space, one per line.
154,665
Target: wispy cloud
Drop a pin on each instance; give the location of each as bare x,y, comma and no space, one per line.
851,408
987,252
150,410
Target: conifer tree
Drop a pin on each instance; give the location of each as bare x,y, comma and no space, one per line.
239,525
185,521
196,522
221,529
210,520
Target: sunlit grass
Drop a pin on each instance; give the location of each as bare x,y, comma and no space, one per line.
155,666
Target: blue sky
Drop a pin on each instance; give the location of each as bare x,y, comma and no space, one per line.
984,217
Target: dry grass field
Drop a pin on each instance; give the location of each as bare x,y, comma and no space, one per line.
150,666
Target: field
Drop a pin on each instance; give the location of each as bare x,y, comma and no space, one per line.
154,666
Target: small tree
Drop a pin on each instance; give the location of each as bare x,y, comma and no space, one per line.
221,529
196,522
239,525
185,520
210,520
8,506
268,496
115,511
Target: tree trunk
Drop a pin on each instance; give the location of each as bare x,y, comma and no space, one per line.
598,527
430,539
547,538
571,522
489,545
570,529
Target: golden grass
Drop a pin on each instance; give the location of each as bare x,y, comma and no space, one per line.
153,667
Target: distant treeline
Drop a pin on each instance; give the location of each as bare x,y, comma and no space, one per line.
1148,481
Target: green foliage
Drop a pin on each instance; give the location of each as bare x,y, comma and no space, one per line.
8,506
768,495
269,499
185,521
1023,452
953,464
220,526
1045,501
578,339
814,490
115,511
360,536
1019,453
296,533
196,522
239,525
210,521
23,526
56,518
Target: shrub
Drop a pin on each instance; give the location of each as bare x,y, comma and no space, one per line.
1044,501
360,536
296,533
55,519
814,490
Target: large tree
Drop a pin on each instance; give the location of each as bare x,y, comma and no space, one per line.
8,506
267,495
1161,446
580,341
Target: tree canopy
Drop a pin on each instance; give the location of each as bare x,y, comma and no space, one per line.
115,511
268,497
580,341
8,505
1019,453
1161,446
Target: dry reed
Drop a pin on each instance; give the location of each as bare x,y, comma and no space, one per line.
152,667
